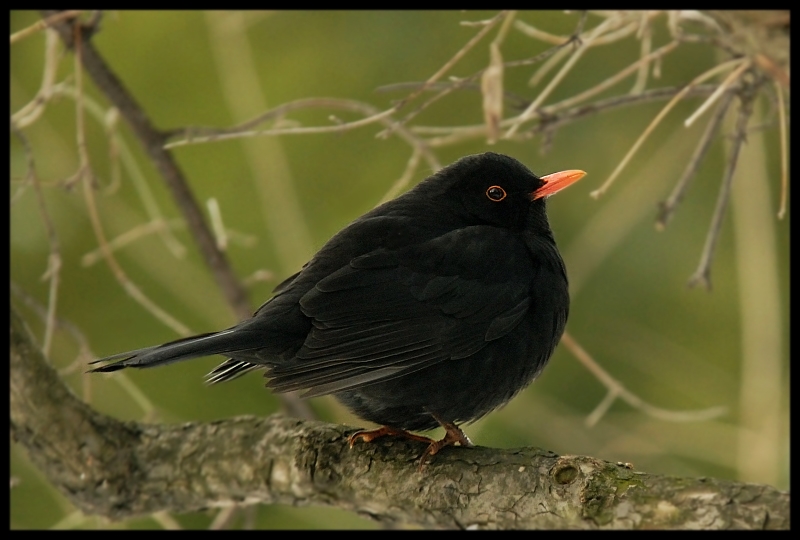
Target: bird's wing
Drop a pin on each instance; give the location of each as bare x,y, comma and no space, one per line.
390,313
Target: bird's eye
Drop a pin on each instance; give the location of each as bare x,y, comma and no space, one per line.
496,193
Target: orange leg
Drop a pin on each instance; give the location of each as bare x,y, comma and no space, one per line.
453,435
372,434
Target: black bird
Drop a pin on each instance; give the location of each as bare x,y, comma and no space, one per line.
432,309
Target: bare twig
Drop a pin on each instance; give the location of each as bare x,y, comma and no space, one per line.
458,56
446,67
492,92
84,349
84,355
31,111
657,120
535,33
259,276
153,142
53,271
548,121
576,38
197,135
612,80
784,150
776,72
667,207
617,390
124,239
44,23
216,223
405,178
224,518
703,273
727,83
492,83
84,174
532,109
645,36
129,162
445,88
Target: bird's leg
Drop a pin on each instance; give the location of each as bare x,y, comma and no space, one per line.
372,434
453,435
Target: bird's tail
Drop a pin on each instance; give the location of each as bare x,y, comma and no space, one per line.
230,341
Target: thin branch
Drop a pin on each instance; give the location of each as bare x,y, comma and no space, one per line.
549,122
611,37
119,274
612,80
405,178
31,111
458,56
465,83
446,67
532,109
727,83
85,176
667,207
224,518
153,226
42,24
153,142
782,114
492,81
84,355
445,88
134,171
53,271
617,390
645,35
84,348
259,276
657,120
533,32
197,135
775,71
703,273
216,223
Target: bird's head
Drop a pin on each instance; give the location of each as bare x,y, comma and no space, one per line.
499,190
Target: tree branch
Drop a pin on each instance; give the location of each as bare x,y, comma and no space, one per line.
123,469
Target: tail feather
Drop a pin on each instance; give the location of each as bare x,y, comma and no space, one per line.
225,342
230,369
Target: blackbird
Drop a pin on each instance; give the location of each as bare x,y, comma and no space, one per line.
431,310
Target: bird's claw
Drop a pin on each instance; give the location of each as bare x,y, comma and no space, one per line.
369,435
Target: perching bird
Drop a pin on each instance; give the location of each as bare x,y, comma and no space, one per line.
432,309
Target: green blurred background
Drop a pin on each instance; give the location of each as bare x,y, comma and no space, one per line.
676,347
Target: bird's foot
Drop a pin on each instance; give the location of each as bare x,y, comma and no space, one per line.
453,435
383,431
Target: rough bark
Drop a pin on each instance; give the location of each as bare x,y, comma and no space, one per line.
123,469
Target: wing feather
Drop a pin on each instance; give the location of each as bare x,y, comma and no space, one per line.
391,313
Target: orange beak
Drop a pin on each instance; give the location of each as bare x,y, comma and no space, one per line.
553,183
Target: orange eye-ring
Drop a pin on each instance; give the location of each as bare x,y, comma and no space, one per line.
496,193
